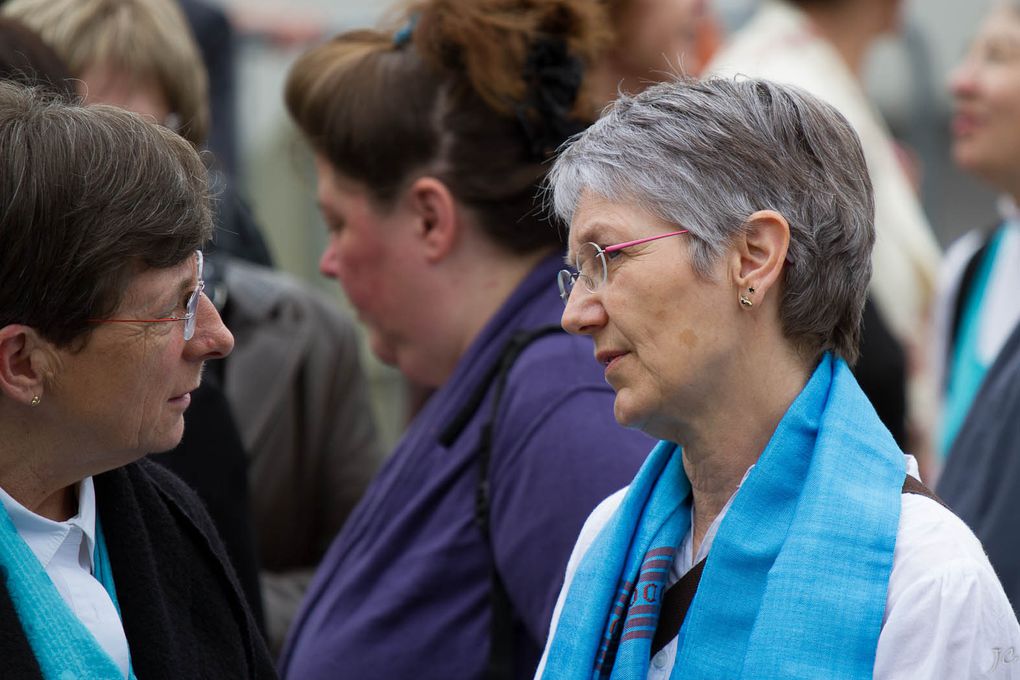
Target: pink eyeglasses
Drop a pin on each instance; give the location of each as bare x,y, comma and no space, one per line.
592,266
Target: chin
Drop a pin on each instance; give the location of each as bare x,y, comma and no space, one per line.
383,351
626,412
166,440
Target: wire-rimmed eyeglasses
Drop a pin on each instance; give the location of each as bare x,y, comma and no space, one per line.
592,266
190,310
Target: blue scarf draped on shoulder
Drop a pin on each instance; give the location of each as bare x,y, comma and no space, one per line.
63,646
795,582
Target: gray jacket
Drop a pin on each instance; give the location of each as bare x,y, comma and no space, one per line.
301,402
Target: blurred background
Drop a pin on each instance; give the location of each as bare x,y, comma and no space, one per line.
906,78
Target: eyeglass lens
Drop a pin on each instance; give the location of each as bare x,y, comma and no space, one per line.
191,317
591,270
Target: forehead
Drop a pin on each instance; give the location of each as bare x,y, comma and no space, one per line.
149,286
605,221
1001,23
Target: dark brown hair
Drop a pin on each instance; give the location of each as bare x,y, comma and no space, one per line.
26,59
89,196
477,93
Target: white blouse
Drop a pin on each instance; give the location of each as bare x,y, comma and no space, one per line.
65,550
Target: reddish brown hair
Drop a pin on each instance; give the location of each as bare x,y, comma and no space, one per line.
447,98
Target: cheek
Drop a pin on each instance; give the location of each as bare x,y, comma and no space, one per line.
360,272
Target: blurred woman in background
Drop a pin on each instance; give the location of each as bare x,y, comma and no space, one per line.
430,144
977,345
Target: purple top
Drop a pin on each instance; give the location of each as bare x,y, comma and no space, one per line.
403,591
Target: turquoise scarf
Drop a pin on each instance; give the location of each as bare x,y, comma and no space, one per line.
795,582
63,646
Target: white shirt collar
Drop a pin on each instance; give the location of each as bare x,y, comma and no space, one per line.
44,536
1008,209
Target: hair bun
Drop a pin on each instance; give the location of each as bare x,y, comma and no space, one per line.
553,77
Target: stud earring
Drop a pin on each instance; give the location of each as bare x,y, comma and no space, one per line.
746,301
751,291
36,400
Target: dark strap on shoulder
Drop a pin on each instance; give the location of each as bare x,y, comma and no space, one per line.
912,485
679,596
501,649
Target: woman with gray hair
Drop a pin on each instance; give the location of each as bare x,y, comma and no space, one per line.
720,238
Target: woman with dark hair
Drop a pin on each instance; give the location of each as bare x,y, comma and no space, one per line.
430,144
110,566
280,483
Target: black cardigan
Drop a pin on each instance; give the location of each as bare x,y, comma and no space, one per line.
182,608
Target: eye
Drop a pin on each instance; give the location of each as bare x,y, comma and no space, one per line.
334,224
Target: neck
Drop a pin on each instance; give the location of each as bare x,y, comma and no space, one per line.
720,443
478,283
31,474
850,27
47,499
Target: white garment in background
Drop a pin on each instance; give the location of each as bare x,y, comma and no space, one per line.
779,43
65,550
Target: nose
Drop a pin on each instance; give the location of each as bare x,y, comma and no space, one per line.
962,79
212,340
584,313
327,261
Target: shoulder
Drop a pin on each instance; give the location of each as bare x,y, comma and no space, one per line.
946,611
556,395
556,364
173,491
932,541
598,519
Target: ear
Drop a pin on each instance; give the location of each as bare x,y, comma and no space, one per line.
25,363
436,211
760,253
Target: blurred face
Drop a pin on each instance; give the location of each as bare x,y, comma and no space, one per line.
371,253
661,331
986,92
105,85
655,34
126,391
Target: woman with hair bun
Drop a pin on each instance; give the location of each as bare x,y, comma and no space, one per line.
430,144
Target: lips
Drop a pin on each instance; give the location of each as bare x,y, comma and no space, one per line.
183,397
964,124
608,357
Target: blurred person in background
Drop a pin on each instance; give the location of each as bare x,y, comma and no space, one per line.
111,567
978,343
430,143
305,437
821,45
651,39
26,59
720,253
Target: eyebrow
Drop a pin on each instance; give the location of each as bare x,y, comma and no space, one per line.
591,232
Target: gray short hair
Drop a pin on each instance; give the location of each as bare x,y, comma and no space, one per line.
707,154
